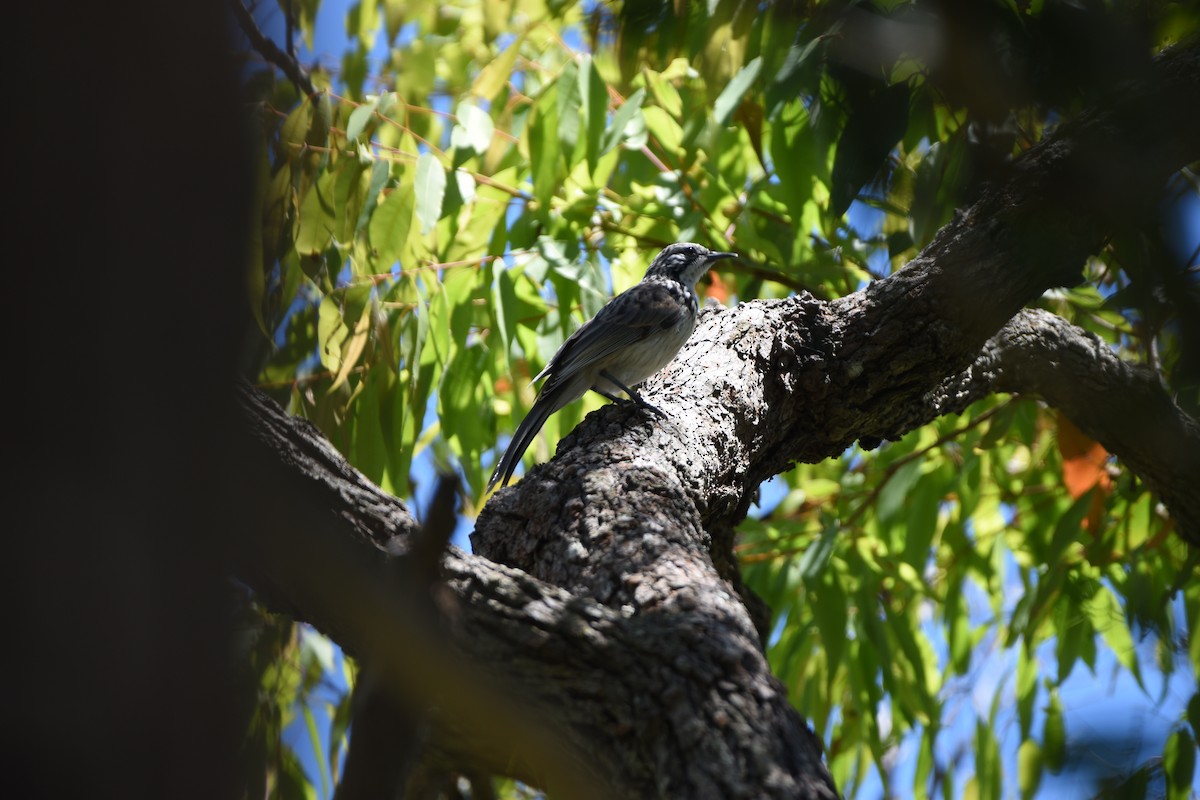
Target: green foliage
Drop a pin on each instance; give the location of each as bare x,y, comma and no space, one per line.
431,231
291,663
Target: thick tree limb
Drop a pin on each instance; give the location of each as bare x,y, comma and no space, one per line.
630,509
618,615
598,680
1123,406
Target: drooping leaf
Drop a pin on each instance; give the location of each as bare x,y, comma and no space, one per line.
474,129
620,120
359,118
492,78
733,92
875,125
1029,768
430,190
1179,764
391,224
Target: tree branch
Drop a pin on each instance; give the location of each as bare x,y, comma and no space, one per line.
770,383
270,51
1120,405
596,693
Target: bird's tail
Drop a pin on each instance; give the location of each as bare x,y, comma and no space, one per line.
545,405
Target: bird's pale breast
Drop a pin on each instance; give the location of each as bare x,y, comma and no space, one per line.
643,359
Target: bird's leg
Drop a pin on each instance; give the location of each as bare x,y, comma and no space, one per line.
610,396
634,396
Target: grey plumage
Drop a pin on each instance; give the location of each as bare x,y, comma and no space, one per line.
632,337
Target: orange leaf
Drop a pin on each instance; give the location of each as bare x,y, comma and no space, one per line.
717,289
1083,468
1083,460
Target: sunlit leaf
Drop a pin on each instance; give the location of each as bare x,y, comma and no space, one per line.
496,73
1054,740
620,120
1179,764
732,94
430,190
391,223
1029,768
474,129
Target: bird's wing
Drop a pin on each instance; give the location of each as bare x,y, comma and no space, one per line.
630,317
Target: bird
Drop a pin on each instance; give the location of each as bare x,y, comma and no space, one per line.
632,337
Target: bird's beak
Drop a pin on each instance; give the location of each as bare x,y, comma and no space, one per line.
718,256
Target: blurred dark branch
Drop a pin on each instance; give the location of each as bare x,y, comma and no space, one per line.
389,732
323,544
263,45
289,24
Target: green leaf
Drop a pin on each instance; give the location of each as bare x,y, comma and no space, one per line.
1179,764
474,129
293,784
317,218
495,74
430,189
294,131
595,109
380,173
1029,768
362,20
356,342
544,148
877,122
785,85
987,761
615,131
359,118
959,631
464,184
331,333
816,555
314,739
1054,736
349,197
894,493
322,119
1109,621
391,225
458,406
731,96
439,313
664,128
921,520
831,611
371,440
998,426
338,726
1027,690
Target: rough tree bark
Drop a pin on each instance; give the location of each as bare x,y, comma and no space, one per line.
603,592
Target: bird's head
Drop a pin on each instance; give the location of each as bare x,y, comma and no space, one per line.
685,262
